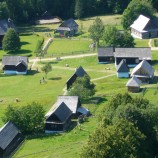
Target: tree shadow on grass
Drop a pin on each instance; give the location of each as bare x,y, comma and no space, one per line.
32,72
24,43
43,136
55,78
154,62
22,51
51,62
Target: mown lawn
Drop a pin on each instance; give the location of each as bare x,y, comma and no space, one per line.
28,44
141,42
67,46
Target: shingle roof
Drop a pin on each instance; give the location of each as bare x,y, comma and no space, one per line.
14,60
122,67
107,51
69,23
134,82
80,72
4,25
70,101
143,68
141,53
7,133
62,112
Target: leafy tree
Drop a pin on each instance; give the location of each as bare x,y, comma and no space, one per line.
134,9
119,140
138,111
113,37
29,118
83,88
78,8
11,41
46,68
96,30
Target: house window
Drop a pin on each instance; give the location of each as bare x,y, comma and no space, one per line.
137,61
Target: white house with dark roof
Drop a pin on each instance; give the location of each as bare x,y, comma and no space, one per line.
10,139
15,65
144,27
144,71
122,70
134,84
132,56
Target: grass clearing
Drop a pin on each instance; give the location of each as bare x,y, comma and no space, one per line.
141,42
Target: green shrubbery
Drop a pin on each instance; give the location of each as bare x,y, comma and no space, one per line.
156,42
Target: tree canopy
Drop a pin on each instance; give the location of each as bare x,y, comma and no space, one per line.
29,119
83,88
113,37
46,68
134,9
96,30
137,118
11,41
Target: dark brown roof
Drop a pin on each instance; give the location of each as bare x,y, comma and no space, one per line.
7,133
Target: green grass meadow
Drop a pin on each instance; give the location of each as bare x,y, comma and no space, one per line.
27,88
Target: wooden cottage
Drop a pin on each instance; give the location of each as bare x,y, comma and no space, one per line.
10,139
122,70
144,71
105,55
144,27
15,64
132,56
80,72
134,84
59,119
67,28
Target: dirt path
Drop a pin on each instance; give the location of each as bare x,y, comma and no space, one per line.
65,57
96,79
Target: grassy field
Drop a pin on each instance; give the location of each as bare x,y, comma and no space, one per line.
27,88
67,46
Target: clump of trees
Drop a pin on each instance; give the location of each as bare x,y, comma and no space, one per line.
11,41
134,9
110,35
83,88
29,119
128,128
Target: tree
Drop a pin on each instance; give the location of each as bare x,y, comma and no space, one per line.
46,68
134,9
83,88
29,118
11,41
78,8
113,37
4,14
121,140
139,112
96,30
